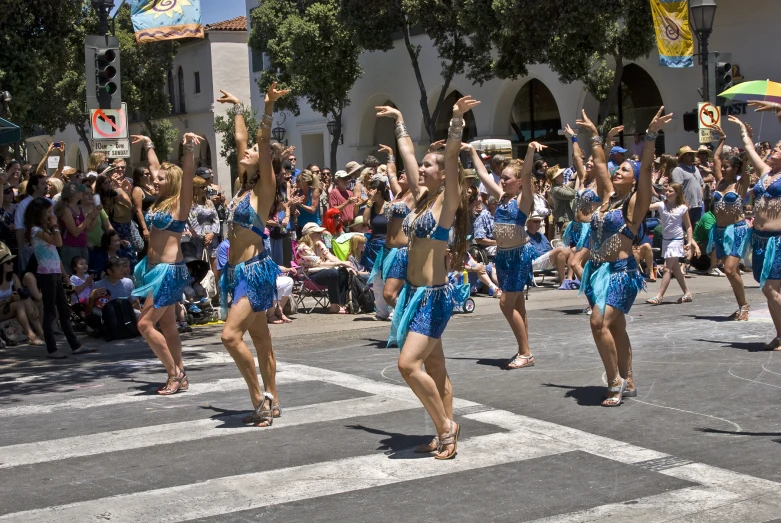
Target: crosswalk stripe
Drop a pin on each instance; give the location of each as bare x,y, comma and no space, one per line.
143,437
256,490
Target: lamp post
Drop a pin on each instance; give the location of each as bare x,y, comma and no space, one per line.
702,14
331,126
103,8
279,134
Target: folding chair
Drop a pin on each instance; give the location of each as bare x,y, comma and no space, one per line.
304,287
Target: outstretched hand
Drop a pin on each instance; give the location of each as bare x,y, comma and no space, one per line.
228,98
762,106
436,146
191,137
537,146
273,94
568,131
744,126
388,111
385,149
464,105
660,120
586,124
287,152
718,130
138,138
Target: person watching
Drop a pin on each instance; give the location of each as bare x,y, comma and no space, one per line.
113,286
547,258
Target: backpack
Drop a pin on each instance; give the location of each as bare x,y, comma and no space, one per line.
119,320
361,296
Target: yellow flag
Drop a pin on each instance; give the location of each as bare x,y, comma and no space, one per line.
673,33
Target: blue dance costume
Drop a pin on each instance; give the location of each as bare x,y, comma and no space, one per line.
165,281
734,239
614,283
425,310
576,234
766,263
513,265
256,278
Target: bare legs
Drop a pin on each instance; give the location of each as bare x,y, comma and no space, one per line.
772,291
615,349
169,354
645,253
732,270
672,267
391,290
513,305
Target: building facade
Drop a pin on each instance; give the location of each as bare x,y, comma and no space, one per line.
201,68
538,105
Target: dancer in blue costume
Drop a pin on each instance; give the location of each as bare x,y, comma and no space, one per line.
514,254
162,275
425,304
576,235
249,278
730,238
611,278
766,194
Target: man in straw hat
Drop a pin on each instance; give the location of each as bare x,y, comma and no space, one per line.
690,179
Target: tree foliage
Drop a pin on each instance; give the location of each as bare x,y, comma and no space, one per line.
163,134
311,52
452,25
225,126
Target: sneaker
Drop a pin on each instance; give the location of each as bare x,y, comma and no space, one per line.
57,355
715,272
566,285
379,317
587,311
491,291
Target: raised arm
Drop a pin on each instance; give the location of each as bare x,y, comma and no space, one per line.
42,163
452,195
717,153
577,156
406,149
602,177
526,198
493,188
239,127
61,164
644,184
615,131
761,167
267,181
190,140
151,155
393,180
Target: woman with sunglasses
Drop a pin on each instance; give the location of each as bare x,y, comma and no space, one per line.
15,301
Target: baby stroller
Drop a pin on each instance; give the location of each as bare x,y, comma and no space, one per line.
461,298
198,312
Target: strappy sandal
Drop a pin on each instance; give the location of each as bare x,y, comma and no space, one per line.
450,439
686,298
515,363
774,345
262,417
429,447
277,410
742,314
656,300
175,384
616,400
274,319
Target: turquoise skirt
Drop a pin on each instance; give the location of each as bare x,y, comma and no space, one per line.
165,281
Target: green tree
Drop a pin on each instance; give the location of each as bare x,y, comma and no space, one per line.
452,27
225,126
574,38
163,134
311,52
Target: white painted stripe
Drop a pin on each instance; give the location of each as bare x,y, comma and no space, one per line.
151,436
250,491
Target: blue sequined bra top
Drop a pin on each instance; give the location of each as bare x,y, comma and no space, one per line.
163,221
771,191
242,214
606,231
586,200
730,202
397,210
425,227
510,221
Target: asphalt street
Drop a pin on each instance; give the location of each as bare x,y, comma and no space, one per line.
88,440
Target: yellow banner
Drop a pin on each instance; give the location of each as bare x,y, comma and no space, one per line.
673,33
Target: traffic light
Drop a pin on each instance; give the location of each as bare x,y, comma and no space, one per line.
102,66
690,123
723,77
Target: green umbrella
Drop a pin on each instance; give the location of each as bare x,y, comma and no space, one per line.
754,90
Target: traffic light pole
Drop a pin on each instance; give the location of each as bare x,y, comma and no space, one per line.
704,61
103,9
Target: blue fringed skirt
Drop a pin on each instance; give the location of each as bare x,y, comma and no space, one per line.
576,235
766,256
613,283
425,310
255,278
397,264
165,281
514,267
732,240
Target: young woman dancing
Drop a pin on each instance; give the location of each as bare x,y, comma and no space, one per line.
161,275
730,238
425,304
611,278
766,234
514,254
576,235
250,272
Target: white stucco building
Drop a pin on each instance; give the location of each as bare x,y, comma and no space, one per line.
539,104
201,68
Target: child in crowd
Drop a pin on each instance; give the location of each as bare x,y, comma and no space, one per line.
81,281
675,225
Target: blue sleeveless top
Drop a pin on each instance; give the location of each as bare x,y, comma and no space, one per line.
510,213
397,210
425,227
243,215
586,199
772,191
163,221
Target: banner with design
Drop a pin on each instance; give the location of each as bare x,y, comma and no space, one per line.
155,20
673,33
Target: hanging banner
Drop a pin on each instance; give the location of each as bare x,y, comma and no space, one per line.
155,20
673,33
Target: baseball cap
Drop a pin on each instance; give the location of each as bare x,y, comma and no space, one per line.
203,172
617,149
341,174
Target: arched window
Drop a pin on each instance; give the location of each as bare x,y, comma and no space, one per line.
640,99
171,92
182,107
385,133
535,117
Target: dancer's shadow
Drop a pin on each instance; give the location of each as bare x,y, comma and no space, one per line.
750,346
377,344
740,433
230,419
488,362
589,395
396,445
717,319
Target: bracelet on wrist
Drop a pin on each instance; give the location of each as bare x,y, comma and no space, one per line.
267,116
401,131
189,146
391,159
651,136
456,121
574,138
238,110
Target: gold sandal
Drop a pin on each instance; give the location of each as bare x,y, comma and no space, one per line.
450,439
686,298
742,314
515,363
175,384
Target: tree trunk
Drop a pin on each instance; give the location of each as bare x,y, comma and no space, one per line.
428,123
336,138
438,108
82,132
615,89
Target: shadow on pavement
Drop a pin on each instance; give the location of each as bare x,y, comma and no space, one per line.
500,363
740,433
750,346
718,319
396,445
589,395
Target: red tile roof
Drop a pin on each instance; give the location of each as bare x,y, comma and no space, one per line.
234,24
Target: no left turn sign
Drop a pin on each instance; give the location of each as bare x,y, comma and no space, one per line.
709,115
109,124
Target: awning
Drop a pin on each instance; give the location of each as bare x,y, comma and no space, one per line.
9,133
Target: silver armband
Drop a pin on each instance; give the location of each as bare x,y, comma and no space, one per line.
596,140
189,146
391,159
238,109
267,117
650,136
149,145
401,131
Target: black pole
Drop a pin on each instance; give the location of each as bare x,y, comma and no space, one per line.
704,61
103,9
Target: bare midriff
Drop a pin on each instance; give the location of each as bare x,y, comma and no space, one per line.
426,266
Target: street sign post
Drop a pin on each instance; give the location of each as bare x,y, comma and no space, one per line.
708,115
112,148
109,124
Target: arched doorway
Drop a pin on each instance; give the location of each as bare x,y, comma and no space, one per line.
385,134
443,119
535,117
640,100
204,155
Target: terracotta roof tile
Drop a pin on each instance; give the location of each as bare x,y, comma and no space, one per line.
234,24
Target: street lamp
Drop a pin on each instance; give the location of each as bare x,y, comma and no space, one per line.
702,14
279,134
332,129
103,8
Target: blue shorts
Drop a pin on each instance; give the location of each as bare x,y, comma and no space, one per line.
514,267
732,240
398,267
165,281
255,279
612,283
766,262
424,310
